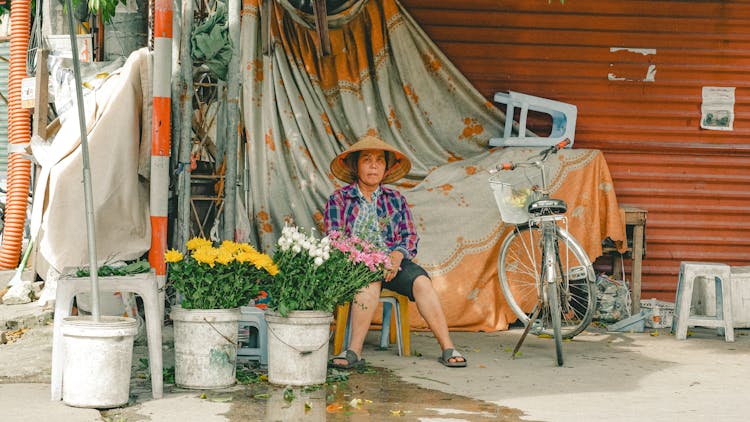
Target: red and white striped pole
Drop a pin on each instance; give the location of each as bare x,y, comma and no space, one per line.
160,135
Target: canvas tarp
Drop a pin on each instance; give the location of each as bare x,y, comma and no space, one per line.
117,117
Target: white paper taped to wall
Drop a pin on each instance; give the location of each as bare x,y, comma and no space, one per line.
717,109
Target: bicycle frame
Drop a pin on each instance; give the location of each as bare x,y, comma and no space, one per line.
562,278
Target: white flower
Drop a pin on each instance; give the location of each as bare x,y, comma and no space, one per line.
297,236
325,241
305,244
285,247
318,261
326,255
296,248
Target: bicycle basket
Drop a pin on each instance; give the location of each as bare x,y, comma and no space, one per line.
514,191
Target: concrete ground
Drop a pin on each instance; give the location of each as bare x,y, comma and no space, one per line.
612,376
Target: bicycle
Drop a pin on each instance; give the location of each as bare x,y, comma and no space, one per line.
545,275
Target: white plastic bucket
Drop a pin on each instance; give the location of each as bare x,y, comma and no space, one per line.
205,347
98,358
298,347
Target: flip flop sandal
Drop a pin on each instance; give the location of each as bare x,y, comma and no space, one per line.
352,360
452,354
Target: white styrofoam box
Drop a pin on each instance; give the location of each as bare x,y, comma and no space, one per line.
704,297
660,314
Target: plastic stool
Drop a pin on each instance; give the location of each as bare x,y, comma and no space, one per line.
402,333
689,272
563,115
144,285
253,318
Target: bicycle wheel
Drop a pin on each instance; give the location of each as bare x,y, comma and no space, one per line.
550,279
519,270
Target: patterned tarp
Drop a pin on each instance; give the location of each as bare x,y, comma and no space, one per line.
386,77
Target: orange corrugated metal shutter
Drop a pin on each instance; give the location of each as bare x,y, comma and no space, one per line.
636,70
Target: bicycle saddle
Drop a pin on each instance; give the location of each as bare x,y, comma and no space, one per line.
547,206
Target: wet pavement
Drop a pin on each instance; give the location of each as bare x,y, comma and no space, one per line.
614,376
369,394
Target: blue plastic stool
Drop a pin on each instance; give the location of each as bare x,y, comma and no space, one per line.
390,300
253,334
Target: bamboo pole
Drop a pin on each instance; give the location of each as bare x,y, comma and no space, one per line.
186,128
233,114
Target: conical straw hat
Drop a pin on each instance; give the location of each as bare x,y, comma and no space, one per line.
399,167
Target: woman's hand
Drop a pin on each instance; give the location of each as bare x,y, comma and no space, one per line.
396,258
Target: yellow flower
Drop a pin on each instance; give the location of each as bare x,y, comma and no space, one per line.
224,256
206,255
230,247
173,256
244,247
272,269
244,257
197,242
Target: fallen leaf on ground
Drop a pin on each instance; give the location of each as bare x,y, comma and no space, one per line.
333,407
397,413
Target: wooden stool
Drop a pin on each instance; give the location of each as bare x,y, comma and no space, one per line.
635,231
402,332
689,272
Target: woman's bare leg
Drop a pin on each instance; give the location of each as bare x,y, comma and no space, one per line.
363,308
429,307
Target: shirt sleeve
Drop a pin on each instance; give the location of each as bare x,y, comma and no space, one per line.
333,218
407,232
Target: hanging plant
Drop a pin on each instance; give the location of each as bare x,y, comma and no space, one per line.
107,7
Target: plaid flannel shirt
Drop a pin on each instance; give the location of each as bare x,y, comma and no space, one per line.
394,217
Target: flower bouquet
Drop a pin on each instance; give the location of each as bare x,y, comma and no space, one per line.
218,278
320,274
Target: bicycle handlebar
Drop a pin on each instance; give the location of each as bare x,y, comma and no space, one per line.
544,154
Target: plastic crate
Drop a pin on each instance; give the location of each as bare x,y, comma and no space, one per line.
661,313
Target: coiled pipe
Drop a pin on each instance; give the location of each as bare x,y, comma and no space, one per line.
19,133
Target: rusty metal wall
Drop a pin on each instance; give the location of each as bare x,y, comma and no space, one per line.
636,70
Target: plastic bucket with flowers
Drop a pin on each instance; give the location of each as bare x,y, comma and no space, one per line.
212,284
314,277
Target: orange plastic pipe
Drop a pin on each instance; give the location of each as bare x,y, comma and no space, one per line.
19,132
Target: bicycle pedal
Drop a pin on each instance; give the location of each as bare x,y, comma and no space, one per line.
537,327
577,273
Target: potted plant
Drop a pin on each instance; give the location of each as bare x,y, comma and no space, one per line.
315,276
212,283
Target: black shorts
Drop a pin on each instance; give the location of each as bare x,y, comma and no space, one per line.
403,283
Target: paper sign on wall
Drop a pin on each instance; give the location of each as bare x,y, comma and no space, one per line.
28,95
717,110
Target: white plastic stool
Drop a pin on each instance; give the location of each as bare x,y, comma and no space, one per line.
683,318
563,116
144,285
252,317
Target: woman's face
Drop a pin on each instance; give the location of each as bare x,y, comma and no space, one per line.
371,167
